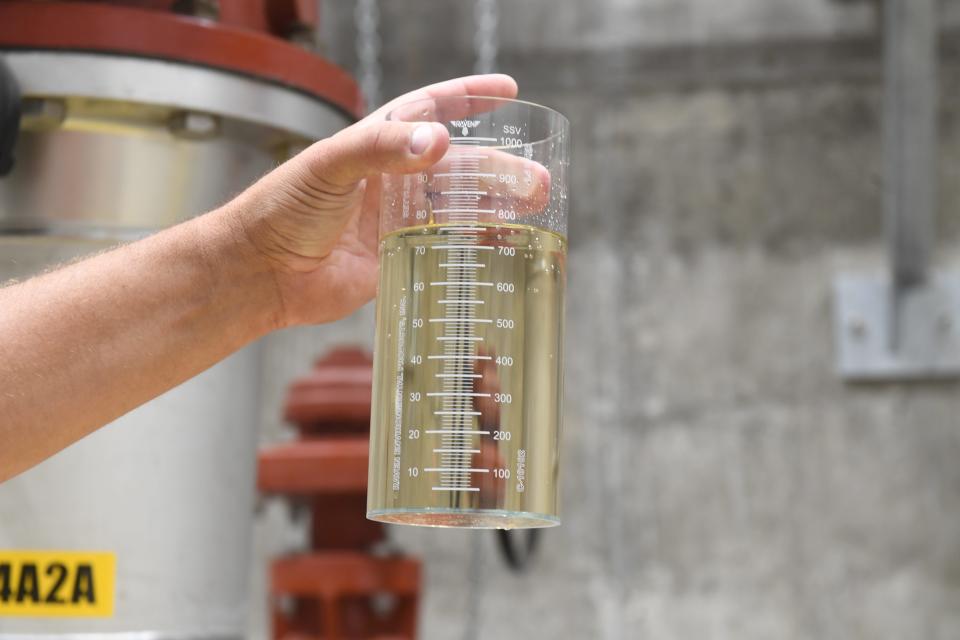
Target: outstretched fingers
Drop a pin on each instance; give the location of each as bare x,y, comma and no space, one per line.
369,148
495,85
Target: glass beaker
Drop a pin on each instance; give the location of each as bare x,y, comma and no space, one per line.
468,368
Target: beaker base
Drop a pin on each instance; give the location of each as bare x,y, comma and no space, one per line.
464,518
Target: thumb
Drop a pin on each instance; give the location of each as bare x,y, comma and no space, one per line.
378,147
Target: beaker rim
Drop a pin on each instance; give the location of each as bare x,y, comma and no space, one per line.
564,120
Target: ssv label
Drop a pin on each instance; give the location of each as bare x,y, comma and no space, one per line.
69,584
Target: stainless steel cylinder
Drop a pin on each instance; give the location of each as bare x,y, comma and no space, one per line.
113,146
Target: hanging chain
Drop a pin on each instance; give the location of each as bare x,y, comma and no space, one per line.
485,40
367,18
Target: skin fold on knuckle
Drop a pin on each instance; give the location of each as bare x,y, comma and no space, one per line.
315,193
325,165
383,141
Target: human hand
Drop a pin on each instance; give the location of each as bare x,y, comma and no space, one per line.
313,221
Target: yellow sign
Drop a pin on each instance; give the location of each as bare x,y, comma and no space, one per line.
62,584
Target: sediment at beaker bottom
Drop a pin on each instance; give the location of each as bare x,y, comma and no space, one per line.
465,519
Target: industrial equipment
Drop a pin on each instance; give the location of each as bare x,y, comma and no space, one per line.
348,584
131,116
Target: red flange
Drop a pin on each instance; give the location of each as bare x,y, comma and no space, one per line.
329,592
335,396
106,28
335,589
313,467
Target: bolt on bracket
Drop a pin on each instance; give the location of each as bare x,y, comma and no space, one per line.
883,334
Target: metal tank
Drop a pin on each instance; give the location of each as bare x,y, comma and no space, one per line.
133,119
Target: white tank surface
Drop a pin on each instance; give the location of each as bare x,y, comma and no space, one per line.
167,490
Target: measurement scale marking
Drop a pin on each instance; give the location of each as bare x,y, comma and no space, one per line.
464,210
465,174
459,395
462,283
459,339
459,431
461,246
460,357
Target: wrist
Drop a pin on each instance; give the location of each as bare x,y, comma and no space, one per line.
242,280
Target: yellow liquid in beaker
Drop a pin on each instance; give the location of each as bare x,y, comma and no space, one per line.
468,377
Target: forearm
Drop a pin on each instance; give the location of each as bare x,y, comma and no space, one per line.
83,345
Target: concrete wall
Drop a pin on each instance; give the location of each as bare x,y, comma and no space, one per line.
720,481
536,25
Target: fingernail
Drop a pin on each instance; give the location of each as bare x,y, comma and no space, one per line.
421,139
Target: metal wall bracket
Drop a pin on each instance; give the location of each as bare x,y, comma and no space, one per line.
886,334
905,324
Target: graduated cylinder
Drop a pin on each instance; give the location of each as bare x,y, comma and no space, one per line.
468,362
